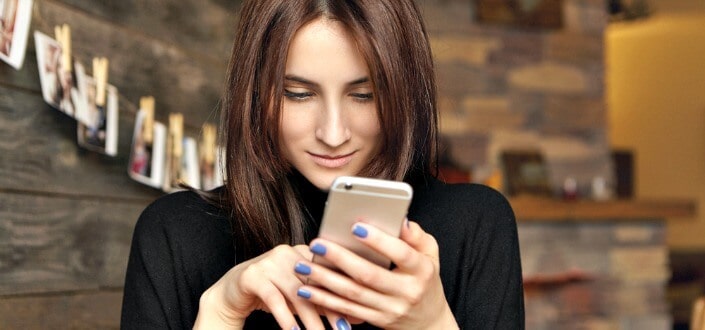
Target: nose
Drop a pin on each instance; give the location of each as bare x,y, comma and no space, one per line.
332,128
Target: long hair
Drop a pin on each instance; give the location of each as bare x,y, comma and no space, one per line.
390,35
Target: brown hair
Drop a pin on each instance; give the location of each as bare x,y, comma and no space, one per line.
391,36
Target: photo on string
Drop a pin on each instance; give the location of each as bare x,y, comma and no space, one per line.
15,18
181,167
146,164
189,163
56,75
101,134
210,158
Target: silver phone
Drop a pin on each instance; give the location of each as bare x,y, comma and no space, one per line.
381,203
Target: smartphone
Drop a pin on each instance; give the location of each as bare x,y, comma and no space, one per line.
381,203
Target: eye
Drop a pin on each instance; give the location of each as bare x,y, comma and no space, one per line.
297,96
362,97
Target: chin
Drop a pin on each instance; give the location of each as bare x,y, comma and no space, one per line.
322,181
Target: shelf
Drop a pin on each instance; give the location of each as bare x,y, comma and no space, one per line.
533,208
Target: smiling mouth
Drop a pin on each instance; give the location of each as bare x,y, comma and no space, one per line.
332,161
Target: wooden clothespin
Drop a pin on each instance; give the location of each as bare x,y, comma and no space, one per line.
100,75
175,152
207,147
176,132
63,37
147,107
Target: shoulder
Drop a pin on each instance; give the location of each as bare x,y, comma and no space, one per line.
458,211
462,198
179,212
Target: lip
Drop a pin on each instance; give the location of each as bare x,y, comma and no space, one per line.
331,161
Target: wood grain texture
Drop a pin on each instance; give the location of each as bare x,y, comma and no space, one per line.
141,65
84,310
67,214
205,27
55,244
39,149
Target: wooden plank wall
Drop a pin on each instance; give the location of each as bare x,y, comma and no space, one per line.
66,214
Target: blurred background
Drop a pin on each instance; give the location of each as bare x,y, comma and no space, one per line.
589,115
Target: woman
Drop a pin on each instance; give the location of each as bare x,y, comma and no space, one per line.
317,89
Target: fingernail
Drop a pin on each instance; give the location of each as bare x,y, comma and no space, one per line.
296,327
406,221
342,324
318,249
302,269
359,231
303,293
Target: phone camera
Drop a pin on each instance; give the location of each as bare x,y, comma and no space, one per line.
348,186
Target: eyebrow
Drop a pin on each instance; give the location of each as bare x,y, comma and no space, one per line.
311,83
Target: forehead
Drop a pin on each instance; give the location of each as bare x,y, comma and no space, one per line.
324,48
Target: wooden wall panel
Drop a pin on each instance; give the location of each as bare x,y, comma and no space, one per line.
141,65
59,244
67,214
26,78
84,310
39,149
204,27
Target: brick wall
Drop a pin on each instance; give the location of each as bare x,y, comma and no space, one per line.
607,275
503,87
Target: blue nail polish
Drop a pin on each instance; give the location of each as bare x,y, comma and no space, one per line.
359,231
318,249
342,324
302,269
303,293
296,327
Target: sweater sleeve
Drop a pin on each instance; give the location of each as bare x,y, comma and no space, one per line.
149,298
494,283
499,257
476,231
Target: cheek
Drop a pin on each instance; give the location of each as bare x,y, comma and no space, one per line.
368,127
295,125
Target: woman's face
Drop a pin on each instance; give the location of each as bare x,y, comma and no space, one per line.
329,121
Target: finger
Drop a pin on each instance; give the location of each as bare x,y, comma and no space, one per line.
416,237
340,305
404,256
346,287
277,305
276,286
308,313
337,321
304,251
361,270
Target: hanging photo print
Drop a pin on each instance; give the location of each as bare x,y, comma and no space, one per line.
15,17
98,111
181,166
55,69
146,163
210,159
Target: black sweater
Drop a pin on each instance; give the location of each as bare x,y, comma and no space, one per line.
182,245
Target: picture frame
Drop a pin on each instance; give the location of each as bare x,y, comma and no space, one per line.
181,167
146,162
542,14
101,133
525,172
58,86
211,157
15,19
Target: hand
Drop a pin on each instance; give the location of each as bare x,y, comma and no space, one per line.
263,283
407,297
